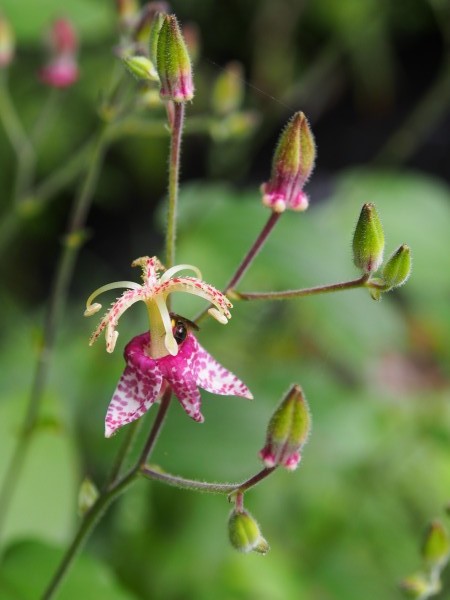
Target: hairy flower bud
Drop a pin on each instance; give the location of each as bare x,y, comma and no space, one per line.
436,545
288,431
244,533
173,63
292,165
398,268
368,240
6,43
155,28
141,67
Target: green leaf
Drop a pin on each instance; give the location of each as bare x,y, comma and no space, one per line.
28,566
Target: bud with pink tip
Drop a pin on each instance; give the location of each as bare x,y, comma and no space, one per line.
288,431
173,62
292,165
6,43
61,71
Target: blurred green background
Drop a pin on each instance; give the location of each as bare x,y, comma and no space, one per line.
373,77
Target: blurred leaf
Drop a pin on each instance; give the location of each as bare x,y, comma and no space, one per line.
27,566
93,20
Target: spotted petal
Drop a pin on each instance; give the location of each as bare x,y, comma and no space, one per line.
177,370
213,377
137,390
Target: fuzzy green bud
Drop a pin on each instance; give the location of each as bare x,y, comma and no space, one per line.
155,28
368,240
141,67
244,533
288,431
173,62
228,90
398,268
436,545
292,165
87,496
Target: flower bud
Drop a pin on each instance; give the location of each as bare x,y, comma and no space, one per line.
398,268
141,67
144,23
288,431
368,240
6,43
245,535
436,546
292,165
87,496
228,90
418,587
173,62
61,71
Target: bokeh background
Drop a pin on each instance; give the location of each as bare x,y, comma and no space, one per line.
373,77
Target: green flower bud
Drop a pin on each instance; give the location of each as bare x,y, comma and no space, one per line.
245,535
398,268
436,545
417,587
228,90
173,62
141,67
293,163
288,431
368,240
155,28
87,496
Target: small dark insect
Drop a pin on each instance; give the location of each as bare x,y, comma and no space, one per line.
181,327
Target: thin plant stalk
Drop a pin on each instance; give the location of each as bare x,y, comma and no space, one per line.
151,472
72,244
117,486
109,494
19,140
302,293
174,172
254,251
249,257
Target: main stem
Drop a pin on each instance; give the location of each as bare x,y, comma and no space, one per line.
111,492
72,244
115,484
174,173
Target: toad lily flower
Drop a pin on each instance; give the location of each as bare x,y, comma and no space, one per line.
168,354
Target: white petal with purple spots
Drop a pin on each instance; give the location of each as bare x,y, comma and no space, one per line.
135,393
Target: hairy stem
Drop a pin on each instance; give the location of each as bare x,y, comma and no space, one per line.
152,472
313,291
248,258
174,172
254,251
